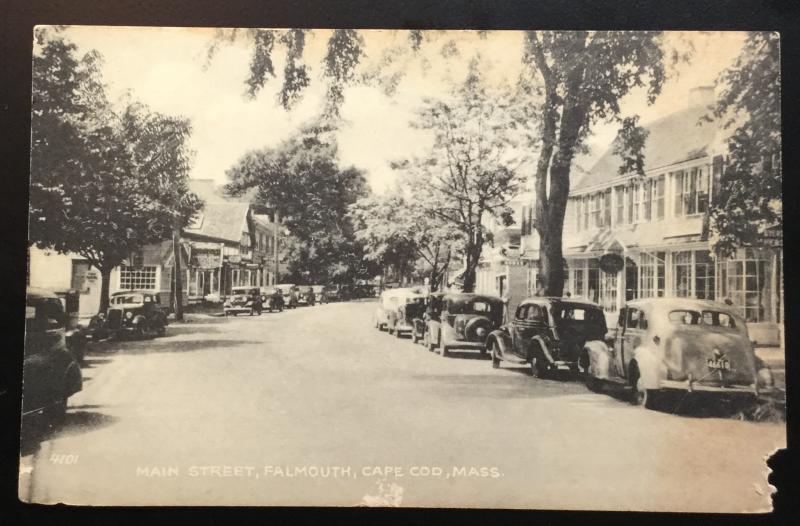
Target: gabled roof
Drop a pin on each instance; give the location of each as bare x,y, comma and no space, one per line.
222,221
678,137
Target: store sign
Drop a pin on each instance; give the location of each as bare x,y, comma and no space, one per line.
611,263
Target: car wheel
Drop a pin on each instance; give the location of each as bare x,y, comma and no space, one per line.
427,342
539,368
495,358
414,337
640,396
54,414
162,330
398,334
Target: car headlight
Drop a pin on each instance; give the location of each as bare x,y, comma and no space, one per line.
128,315
101,316
480,331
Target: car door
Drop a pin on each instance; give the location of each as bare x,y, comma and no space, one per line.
44,336
533,322
635,326
617,346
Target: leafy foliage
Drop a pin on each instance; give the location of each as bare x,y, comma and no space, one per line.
629,146
749,195
471,172
584,74
301,179
103,183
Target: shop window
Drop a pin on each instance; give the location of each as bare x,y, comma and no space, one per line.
593,281
682,273
608,291
137,278
704,278
651,274
746,281
577,282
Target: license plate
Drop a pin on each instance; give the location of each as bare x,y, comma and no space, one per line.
722,364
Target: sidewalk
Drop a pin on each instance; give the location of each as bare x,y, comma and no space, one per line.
775,358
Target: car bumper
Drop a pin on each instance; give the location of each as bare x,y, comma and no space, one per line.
403,327
676,385
237,309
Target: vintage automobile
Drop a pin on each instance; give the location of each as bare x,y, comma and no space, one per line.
50,372
319,293
131,312
289,292
243,300
400,318
305,296
77,336
547,334
676,344
433,307
387,304
334,293
465,322
271,299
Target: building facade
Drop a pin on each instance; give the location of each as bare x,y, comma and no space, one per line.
632,236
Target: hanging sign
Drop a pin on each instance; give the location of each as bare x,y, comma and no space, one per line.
611,263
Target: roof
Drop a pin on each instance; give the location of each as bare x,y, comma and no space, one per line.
678,137
685,303
223,221
210,192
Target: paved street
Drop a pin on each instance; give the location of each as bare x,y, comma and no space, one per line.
224,411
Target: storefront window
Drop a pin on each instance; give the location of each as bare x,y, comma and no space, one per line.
682,274
704,279
651,274
608,291
593,281
577,281
746,280
141,278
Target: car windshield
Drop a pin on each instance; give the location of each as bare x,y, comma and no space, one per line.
706,317
127,298
244,292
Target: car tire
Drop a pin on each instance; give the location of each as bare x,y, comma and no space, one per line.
398,334
445,352
640,396
55,413
495,358
427,342
162,330
539,368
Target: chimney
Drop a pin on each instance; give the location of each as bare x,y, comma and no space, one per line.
701,96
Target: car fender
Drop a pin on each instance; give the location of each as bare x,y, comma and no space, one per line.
434,331
599,359
502,339
73,380
651,369
139,319
538,340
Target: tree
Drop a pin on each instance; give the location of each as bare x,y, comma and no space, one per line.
748,198
471,172
584,75
302,180
400,234
103,184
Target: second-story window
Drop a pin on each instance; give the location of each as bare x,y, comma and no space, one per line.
658,197
647,199
586,212
636,190
578,217
607,208
621,195
691,192
596,217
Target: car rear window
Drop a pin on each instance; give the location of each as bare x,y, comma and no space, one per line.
706,317
579,313
127,298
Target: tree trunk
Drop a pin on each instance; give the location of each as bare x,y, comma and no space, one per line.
105,282
176,253
473,252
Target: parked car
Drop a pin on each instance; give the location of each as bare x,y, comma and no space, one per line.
547,334
305,296
319,293
410,304
131,312
333,293
243,300
465,322
76,335
271,299
289,292
388,303
51,374
677,344
432,310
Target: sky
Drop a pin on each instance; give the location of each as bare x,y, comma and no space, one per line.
169,70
